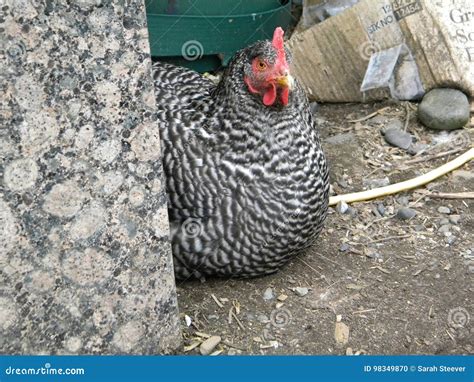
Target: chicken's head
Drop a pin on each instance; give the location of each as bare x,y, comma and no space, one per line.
267,72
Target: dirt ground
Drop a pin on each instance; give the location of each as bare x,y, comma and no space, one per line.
395,286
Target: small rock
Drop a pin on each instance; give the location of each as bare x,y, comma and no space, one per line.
381,209
313,107
344,247
342,182
450,239
282,297
406,213
398,138
349,351
268,294
263,319
301,291
444,221
444,228
444,109
455,219
352,211
376,183
342,207
444,210
209,345
188,320
341,333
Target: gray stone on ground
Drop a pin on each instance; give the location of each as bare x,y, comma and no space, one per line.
381,208
342,207
406,213
301,291
444,210
395,135
444,109
86,265
268,294
376,183
444,228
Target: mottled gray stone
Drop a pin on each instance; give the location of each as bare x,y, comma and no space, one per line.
398,138
406,213
444,109
85,258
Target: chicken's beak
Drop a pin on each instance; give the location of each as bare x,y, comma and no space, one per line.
285,81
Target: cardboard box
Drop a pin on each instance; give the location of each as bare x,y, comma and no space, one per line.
331,58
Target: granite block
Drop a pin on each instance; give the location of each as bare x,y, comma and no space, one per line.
85,258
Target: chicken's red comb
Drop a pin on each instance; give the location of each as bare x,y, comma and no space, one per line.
277,41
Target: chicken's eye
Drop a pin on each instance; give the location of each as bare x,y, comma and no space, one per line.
261,65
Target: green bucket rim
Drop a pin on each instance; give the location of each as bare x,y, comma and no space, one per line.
184,16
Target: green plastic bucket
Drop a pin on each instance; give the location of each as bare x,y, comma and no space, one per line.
204,34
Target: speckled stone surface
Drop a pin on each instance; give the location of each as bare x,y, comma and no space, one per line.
85,261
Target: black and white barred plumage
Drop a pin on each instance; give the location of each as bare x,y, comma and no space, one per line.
247,183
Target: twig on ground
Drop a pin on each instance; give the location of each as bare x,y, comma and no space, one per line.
389,238
231,345
369,116
237,320
450,195
216,300
434,156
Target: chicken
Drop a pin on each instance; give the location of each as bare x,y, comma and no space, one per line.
246,178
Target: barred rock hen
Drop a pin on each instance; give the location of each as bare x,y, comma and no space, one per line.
246,178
